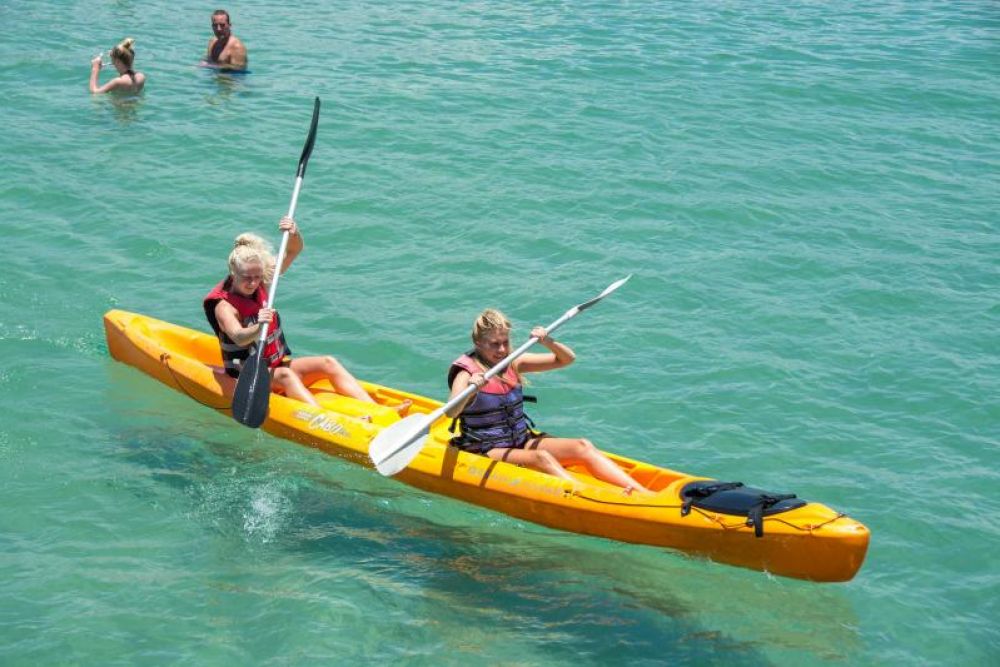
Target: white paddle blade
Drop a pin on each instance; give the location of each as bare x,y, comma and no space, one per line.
607,290
615,285
396,445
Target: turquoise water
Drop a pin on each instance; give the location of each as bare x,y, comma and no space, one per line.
807,194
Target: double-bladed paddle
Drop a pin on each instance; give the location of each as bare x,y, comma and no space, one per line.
395,446
253,388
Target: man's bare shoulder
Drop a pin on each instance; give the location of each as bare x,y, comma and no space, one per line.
236,44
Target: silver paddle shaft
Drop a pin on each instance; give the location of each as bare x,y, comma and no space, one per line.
281,257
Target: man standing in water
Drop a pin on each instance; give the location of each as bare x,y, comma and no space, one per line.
225,50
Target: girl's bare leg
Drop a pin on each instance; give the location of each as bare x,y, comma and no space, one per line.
310,369
290,382
532,458
569,451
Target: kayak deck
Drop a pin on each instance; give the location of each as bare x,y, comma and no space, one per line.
810,542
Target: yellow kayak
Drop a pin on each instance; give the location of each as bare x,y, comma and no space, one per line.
727,523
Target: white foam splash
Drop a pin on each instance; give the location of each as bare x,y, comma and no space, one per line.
265,516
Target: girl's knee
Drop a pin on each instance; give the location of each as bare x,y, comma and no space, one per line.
282,374
585,448
331,366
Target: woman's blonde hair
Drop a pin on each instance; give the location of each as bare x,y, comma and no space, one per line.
124,52
247,249
490,319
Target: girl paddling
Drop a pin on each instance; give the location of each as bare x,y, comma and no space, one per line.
492,420
235,309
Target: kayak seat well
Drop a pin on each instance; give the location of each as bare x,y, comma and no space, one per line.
195,346
650,476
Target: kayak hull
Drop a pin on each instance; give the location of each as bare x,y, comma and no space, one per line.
811,542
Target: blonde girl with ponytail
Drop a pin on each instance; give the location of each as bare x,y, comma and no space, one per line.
236,310
128,80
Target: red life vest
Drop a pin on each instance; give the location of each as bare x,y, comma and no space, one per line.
233,355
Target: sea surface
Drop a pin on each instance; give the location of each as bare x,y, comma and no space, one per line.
806,193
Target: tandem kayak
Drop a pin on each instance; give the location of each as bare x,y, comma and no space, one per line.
726,522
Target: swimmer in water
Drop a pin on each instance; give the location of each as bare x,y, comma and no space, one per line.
225,50
128,80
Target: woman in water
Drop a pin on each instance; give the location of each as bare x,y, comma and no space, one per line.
492,420
128,80
236,310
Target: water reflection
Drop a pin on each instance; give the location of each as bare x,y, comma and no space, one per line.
126,108
566,595
226,84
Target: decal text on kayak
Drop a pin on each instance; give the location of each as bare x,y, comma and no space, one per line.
321,422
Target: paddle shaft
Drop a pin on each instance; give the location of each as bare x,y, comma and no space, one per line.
281,257
300,174
253,388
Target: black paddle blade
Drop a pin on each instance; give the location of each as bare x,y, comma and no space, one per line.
310,142
253,392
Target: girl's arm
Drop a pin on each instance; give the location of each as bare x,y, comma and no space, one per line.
462,380
295,242
558,356
95,67
229,322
